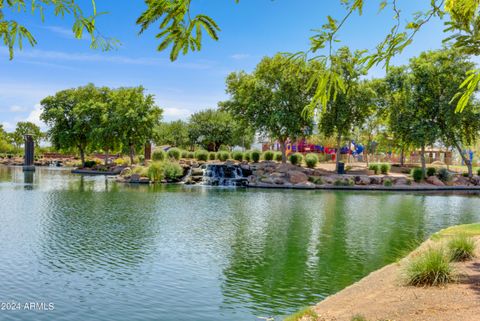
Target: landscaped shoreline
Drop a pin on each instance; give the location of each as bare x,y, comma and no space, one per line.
383,295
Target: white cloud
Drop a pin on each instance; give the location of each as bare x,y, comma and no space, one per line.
7,126
63,32
240,56
34,116
176,112
17,109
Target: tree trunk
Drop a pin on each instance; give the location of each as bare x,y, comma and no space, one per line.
422,158
402,157
106,157
82,156
339,142
132,154
465,159
283,149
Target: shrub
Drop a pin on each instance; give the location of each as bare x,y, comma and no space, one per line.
461,247
316,180
432,267
212,156
90,163
431,171
385,168
158,155
417,174
238,156
222,156
296,159
278,156
191,155
247,156
172,171
268,155
184,154
444,175
174,153
155,171
201,155
388,183
465,174
122,161
255,156
374,168
311,160
478,172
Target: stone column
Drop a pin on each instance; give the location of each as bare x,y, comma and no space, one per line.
29,158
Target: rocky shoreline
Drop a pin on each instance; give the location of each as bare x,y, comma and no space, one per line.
270,174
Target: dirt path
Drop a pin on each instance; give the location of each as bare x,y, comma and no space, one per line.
381,296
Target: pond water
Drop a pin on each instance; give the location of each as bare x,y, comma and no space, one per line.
98,250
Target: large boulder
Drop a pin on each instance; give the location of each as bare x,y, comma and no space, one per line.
197,172
434,180
476,180
376,180
401,181
285,168
362,180
296,177
135,178
126,172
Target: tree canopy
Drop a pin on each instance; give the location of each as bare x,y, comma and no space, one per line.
272,98
89,117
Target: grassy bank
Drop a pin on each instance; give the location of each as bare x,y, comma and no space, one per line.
431,261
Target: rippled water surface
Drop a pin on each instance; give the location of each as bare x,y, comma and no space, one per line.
99,250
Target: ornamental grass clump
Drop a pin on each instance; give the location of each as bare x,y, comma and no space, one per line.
417,174
174,153
238,156
374,167
191,155
201,155
223,156
155,172
255,155
159,155
268,155
184,154
296,159
429,268
461,248
172,171
444,175
384,168
311,160
212,156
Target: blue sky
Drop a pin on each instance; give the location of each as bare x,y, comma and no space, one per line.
251,30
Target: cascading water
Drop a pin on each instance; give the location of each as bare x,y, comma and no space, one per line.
224,175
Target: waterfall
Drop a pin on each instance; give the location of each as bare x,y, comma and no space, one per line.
223,175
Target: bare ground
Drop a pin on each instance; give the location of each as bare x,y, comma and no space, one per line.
381,296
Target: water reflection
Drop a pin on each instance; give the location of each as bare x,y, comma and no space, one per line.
108,251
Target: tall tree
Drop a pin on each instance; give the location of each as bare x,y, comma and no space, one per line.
23,128
136,117
352,105
174,133
437,76
272,99
68,114
211,129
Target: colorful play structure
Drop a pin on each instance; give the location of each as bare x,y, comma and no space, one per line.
304,147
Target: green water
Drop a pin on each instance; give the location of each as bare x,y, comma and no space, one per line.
99,250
